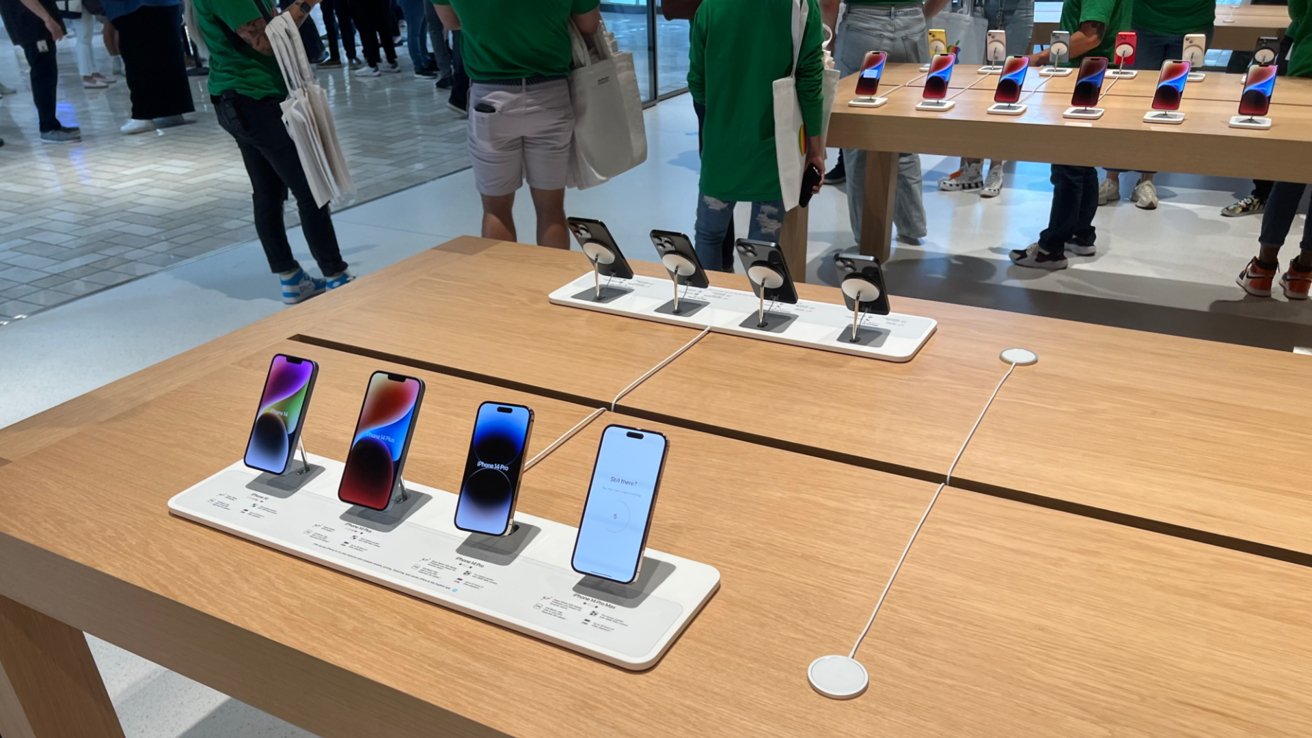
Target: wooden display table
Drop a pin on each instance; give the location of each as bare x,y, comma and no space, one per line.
1238,26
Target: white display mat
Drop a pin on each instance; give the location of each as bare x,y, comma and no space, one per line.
818,325
522,581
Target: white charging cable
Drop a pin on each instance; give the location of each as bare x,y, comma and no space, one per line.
544,453
664,363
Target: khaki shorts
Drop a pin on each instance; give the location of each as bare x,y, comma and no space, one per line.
526,138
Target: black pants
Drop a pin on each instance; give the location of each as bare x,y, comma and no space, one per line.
309,35
459,78
1281,207
373,18
274,168
726,248
1074,203
335,15
45,82
153,62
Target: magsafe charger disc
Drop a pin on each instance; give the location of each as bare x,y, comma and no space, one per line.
856,288
598,252
1019,357
679,264
766,277
838,677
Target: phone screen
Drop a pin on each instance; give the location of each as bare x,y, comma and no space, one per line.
381,440
867,85
1088,86
1259,85
1012,80
1170,85
617,514
492,469
281,413
940,74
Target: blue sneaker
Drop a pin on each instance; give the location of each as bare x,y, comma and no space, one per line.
299,287
336,281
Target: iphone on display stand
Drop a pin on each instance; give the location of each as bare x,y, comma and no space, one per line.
1127,42
1169,94
1195,52
1006,99
995,52
603,252
679,258
1267,51
276,432
490,488
1255,102
1059,53
1088,89
938,44
372,476
768,273
621,501
937,84
867,84
863,291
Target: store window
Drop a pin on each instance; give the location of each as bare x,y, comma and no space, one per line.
659,47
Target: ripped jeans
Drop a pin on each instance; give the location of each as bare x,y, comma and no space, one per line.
714,217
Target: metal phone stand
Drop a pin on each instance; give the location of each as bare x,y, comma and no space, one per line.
1120,72
863,293
598,253
1007,109
765,277
679,267
1253,122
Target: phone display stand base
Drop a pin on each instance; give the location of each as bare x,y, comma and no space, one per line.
990,69
925,67
935,106
1197,76
522,581
1083,113
1007,109
815,325
1056,72
867,102
1163,117
1122,73
1252,122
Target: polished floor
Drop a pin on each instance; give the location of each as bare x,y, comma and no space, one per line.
1170,270
76,219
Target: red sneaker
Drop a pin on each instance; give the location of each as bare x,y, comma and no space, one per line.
1256,280
1295,281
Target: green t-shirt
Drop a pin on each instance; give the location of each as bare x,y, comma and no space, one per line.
883,2
1300,30
738,49
234,65
1115,15
511,39
1175,17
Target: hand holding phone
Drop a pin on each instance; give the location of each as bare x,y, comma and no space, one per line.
381,441
284,403
490,488
600,247
811,179
621,501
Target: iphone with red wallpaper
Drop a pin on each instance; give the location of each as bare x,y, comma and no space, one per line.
940,75
872,69
381,440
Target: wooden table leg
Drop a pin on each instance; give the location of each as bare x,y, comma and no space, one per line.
49,684
877,210
792,240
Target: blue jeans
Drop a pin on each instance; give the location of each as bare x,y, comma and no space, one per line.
902,32
715,218
415,28
1016,17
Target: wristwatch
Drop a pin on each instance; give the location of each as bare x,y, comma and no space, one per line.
304,6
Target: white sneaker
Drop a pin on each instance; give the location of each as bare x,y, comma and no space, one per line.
368,72
1036,258
993,182
1145,195
1109,191
1081,249
136,126
969,177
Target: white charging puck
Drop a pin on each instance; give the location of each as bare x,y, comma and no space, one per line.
1019,357
838,677
678,264
598,252
765,276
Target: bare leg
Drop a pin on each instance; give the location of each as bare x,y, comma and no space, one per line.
499,217
109,35
550,207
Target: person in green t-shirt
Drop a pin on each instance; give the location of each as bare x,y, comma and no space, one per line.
1093,25
1161,26
1282,205
738,49
517,54
247,88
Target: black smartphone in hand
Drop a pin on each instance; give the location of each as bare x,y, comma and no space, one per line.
810,178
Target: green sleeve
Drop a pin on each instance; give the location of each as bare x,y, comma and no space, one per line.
235,13
1099,11
441,2
811,72
697,58
579,7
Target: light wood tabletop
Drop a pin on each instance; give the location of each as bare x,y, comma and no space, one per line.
1238,26
1013,620
799,543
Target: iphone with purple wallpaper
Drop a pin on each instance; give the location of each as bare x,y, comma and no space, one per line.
281,414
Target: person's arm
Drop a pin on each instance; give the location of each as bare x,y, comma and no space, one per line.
587,16
829,11
810,89
1082,42
697,59
934,7
447,14
55,28
252,31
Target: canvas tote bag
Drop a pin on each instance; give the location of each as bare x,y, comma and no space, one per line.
610,136
789,131
307,117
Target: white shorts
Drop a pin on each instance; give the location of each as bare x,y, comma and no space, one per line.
526,138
